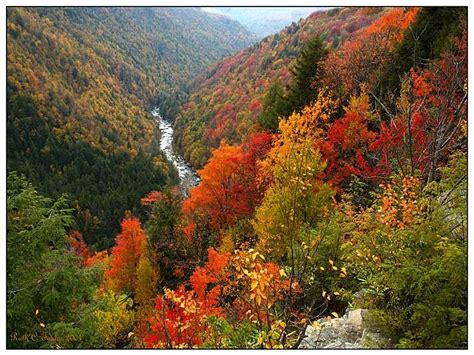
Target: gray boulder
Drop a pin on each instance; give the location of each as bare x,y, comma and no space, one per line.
348,332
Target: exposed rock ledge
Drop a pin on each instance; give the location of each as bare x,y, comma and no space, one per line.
348,332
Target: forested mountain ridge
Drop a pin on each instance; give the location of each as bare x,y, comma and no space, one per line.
144,54
80,82
226,100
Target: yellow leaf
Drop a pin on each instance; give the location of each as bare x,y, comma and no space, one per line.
37,311
335,314
324,293
253,285
258,299
321,268
42,325
283,273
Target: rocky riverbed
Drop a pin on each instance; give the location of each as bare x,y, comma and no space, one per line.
187,176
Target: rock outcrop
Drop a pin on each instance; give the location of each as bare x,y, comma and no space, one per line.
348,332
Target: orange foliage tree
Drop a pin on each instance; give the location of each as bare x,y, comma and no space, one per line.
79,247
228,188
359,61
345,144
129,245
179,318
232,287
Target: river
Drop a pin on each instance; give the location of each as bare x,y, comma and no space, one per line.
187,176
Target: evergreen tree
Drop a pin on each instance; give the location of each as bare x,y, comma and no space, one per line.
306,73
274,106
45,283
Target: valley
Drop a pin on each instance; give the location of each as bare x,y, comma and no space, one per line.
176,181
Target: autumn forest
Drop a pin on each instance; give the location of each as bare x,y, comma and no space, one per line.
174,180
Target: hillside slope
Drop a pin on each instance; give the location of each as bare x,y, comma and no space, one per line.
227,99
79,84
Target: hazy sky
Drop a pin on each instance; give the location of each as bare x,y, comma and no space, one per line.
264,21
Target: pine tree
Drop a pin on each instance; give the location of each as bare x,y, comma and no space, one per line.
306,73
274,106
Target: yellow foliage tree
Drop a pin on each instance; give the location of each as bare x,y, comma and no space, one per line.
115,319
296,198
145,292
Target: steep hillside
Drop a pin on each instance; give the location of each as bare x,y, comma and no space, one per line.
82,80
227,99
92,54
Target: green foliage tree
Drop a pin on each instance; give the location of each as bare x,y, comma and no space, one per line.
222,334
45,282
103,323
274,107
306,73
410,252
166,246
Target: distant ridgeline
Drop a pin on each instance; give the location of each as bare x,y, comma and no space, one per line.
80,82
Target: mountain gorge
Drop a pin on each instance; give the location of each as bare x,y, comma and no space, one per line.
81,82
327,207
